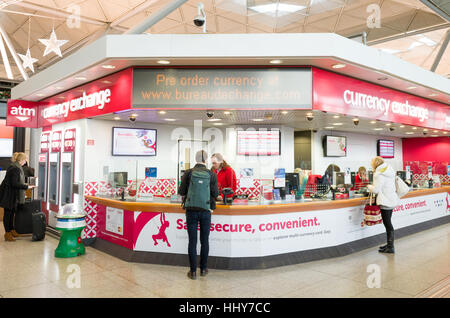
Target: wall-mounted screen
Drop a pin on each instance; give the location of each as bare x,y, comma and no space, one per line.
385,148
259,143
133,142
6,139
335,146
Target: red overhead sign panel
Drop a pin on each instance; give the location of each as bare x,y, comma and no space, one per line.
345,95
109,94
21,113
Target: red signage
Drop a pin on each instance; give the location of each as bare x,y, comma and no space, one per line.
109,94
45,142
69,140
344,95
22,113
56,141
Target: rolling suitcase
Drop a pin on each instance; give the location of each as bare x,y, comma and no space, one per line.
23,217
39,225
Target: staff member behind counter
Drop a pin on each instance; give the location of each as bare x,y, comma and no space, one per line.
226,177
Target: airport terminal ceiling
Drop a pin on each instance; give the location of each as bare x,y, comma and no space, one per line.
409,29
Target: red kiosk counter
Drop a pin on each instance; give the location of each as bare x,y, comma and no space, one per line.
253,236
256,236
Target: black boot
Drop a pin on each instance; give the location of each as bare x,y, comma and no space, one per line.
390,244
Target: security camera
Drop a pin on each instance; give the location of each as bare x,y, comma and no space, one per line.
210,114
425,133
309,116
200,18
132,119
356,121
315,130
391,128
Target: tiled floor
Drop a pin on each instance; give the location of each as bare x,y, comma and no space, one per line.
422,260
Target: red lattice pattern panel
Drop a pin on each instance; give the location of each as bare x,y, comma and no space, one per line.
253,192
423,178
164,187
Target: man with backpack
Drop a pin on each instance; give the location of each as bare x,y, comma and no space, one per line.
199,189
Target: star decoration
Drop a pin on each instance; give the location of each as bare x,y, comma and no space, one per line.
28,60
53,44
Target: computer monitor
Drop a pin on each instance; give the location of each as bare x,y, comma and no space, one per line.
339,178
402,175
292,182
370,176
353,177
118,179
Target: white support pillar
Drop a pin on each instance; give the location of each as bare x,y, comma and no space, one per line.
13,52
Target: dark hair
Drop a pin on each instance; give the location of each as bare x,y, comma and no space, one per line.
332,168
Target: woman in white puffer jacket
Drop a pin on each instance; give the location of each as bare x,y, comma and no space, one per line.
387,198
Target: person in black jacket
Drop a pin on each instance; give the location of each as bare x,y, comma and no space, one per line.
196,216
12,193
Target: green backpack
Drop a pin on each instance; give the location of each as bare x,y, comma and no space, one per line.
198,196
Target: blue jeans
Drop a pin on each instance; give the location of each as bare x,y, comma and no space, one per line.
193,218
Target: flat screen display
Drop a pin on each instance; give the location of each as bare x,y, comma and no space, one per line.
259,143
385,148
134,142
6,139
335,146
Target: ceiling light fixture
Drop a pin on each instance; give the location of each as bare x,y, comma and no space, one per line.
276,62
116,118
162,112
218,124
339,65
214,119
258,119
284,112
169,119
336,116
329,127
412,87
409,133
163,62
378,129
108,66
373,122
338,124
80,78
226,113
414,128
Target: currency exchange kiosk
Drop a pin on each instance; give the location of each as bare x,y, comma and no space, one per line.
54,177
67,173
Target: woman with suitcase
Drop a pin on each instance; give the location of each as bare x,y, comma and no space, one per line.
12,193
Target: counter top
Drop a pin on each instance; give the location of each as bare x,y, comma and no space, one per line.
162,205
